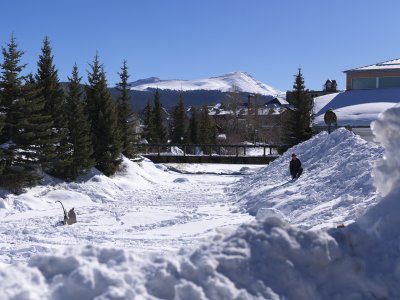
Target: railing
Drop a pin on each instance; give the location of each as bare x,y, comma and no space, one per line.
207,149
214,153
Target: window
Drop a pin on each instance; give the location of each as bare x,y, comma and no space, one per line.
389,82
363,83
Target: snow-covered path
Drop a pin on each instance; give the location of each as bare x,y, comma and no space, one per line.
173,211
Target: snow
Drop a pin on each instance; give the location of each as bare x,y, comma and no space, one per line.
355,107
241,80
383,66
144,207
335,187
157,232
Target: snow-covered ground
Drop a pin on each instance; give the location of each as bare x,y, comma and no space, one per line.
130,227
143,208
335,188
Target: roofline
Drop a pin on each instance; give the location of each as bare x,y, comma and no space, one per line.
371,70
358,69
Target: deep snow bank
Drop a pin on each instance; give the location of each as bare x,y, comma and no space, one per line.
382,220
336,185
93,187
259,260
268,260
264,260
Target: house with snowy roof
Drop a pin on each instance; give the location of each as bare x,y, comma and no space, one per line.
378,76
369,91
258,120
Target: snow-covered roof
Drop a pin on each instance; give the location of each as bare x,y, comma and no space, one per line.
269,109
279,99
355,107
389,65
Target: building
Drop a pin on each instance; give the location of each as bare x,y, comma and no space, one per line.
329,87
369,91
255,121
378,76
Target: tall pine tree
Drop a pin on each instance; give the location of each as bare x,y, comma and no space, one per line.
21,110
47,81
79,129
32,125
148,122
11,83
206,127
159,131
2,156
179,122
296,125
104,120
125,113
26,152
194,126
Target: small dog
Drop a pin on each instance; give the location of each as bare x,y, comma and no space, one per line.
69,218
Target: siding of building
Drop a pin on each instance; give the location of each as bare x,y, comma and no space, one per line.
368,74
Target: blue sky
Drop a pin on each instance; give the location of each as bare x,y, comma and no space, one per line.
188,39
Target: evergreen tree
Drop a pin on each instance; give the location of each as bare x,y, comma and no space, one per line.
11,83
32,127
2,156
21,111
48,82
296,125
159,131
178,127
92,92
27,150
148,124
125,113
104,120
194,128
50,89
79,129
206,127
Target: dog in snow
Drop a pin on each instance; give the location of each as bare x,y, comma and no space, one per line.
69,218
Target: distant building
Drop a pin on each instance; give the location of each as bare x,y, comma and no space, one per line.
378,76
329,87
255,120
369,91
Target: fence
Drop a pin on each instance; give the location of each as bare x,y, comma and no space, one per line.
209,153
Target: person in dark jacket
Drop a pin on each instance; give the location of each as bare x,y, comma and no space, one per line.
295,167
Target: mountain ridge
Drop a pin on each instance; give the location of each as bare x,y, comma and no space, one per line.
243,81
210,91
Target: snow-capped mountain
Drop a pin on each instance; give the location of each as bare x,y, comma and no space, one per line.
241,80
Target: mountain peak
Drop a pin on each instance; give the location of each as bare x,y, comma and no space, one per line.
149,80
224,83
238,74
